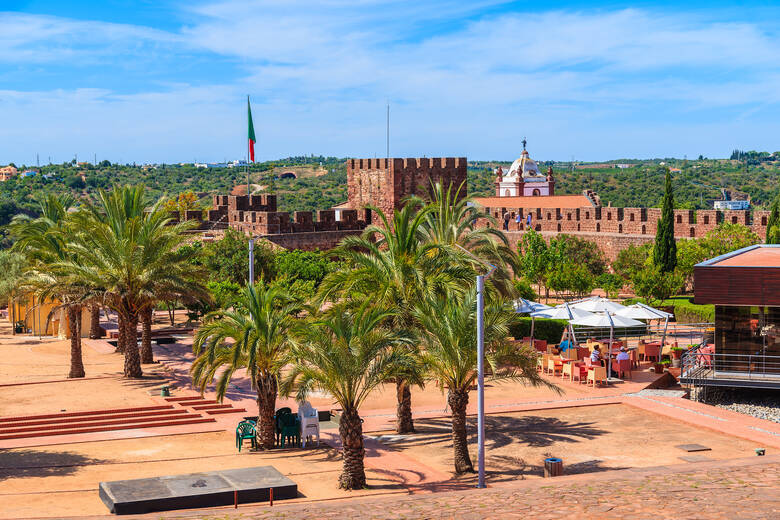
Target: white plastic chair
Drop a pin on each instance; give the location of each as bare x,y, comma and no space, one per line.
310,422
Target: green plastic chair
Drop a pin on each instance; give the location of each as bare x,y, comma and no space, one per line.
290,428
245,430
278,419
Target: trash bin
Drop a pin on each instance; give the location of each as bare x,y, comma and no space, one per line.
165,391
553,467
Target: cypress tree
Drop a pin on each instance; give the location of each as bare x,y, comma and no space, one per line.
773,224
665,251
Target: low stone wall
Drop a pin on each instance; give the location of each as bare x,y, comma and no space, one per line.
309,241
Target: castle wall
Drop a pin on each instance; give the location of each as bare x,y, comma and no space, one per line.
385,183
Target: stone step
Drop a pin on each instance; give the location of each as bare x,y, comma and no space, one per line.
223,411
87,418
211,406
188,398
20,428
4,420
154,424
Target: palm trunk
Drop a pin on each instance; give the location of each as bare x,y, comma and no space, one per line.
122,332
266,406
76,361
353,475
132,356
147,355
404,422
458,400
94,321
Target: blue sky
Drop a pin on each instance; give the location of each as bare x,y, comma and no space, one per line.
166,80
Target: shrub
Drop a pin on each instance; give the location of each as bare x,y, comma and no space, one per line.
550,330
687,312
524,289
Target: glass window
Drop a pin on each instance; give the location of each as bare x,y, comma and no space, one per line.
747,331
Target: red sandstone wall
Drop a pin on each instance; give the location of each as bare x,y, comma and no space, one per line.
385,183
309,241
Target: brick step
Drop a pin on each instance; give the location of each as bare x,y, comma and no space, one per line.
198,401
177,399
49,433
69,426
87,418
4,420
222,411
211,406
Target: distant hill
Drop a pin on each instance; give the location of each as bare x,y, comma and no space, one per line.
320,182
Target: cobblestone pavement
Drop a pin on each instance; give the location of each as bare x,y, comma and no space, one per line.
735,489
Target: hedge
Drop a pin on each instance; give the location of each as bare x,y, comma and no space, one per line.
550,330
685,311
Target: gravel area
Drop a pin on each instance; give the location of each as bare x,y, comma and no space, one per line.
764,404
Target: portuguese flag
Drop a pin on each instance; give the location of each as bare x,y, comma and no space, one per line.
251,132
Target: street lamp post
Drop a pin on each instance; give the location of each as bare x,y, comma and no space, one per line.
480,366
251,260
481,380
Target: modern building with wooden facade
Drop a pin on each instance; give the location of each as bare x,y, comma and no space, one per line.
744,287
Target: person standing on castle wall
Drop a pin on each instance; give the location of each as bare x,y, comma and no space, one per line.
519,219
507,216
528,221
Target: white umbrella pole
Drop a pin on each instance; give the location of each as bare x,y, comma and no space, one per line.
663,341
571,327
533,321
609,354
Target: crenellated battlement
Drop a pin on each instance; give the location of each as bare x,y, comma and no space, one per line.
629,221
385,183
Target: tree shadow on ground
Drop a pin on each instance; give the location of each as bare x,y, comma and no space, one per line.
500,431
34,463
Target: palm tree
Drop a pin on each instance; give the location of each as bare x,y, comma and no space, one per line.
392,264
451,223
44,241
450,356
132,252
258,339
346,352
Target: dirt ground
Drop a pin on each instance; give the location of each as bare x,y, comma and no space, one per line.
55,480
63,480
588,439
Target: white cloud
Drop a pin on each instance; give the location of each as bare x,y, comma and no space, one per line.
595,84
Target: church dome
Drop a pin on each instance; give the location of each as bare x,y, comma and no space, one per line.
525,167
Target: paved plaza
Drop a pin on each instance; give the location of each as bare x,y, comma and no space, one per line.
618,445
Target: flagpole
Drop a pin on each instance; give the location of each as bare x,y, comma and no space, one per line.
247,151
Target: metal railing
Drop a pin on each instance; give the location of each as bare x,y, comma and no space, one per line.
701,368
683,333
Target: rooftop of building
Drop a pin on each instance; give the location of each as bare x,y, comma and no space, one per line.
552,201
759,255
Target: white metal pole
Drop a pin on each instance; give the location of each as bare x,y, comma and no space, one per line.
481,380
609,349
251,260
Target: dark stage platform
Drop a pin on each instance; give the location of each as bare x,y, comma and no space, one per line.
208,489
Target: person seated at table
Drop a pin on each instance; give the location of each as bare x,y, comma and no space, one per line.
595,356
565,344
623,354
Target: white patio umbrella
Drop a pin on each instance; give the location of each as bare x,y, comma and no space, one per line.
640,311
563,311
524,306
527,306
605,319
597,304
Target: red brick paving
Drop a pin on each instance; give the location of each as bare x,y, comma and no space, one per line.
734,489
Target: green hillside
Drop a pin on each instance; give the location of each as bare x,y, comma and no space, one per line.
638,185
